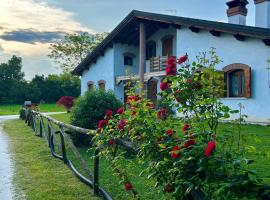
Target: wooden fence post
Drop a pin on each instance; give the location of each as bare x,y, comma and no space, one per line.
96,172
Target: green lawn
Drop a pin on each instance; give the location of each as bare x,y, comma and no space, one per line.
37,174
255,139
14,109
253,135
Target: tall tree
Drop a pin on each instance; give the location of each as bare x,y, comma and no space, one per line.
10,74
70,51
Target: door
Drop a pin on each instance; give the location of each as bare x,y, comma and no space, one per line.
152,90
167,46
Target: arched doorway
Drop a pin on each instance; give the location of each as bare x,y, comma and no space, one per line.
152,90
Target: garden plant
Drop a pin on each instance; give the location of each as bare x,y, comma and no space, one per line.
195,163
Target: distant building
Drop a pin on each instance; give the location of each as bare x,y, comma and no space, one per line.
142,42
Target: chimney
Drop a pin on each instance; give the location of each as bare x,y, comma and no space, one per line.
237,11
262,18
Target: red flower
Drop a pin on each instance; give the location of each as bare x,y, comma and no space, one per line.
214,136
162,113
133,108
160,140
185,128
168,188
121,125
171,68
102,123
133,98
120,111
151,105
111,142
189,143
211,146
109,114
164,86
169,132
182,59
128,186
175,152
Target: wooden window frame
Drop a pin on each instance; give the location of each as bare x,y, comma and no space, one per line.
167,37
232,68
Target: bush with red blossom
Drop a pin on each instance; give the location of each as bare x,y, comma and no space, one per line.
187,160
67,102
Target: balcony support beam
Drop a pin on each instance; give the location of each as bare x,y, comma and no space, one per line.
142,53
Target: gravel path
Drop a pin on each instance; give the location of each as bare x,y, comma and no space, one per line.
6,167
7,190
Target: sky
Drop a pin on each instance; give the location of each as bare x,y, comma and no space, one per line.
28,27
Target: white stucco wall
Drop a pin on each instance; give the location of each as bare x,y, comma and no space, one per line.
251,52
103,69
120,69
262,18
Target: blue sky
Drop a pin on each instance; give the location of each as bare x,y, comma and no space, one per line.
27,27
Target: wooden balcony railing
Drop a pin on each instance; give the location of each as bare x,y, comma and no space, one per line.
158,63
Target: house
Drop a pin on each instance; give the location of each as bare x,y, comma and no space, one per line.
142,42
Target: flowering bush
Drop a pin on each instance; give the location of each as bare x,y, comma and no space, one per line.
188,158
67,102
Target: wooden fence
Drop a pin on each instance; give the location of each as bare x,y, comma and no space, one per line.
53,129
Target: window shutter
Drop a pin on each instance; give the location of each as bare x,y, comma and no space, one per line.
247,72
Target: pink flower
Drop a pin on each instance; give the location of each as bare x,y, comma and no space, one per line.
128,186
211,146
121,125
164,86
182,59
175,152
102,123
120,111
169,132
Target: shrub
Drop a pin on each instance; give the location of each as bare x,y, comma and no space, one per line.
89,110
22,114
67,102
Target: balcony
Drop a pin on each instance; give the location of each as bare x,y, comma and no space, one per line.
158,64
157,68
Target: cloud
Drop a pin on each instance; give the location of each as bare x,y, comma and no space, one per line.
32,36
25,14
28,26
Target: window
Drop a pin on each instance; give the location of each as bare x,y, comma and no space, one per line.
237,83
167,45
102,84
90,85
150,50
238,80
128,59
